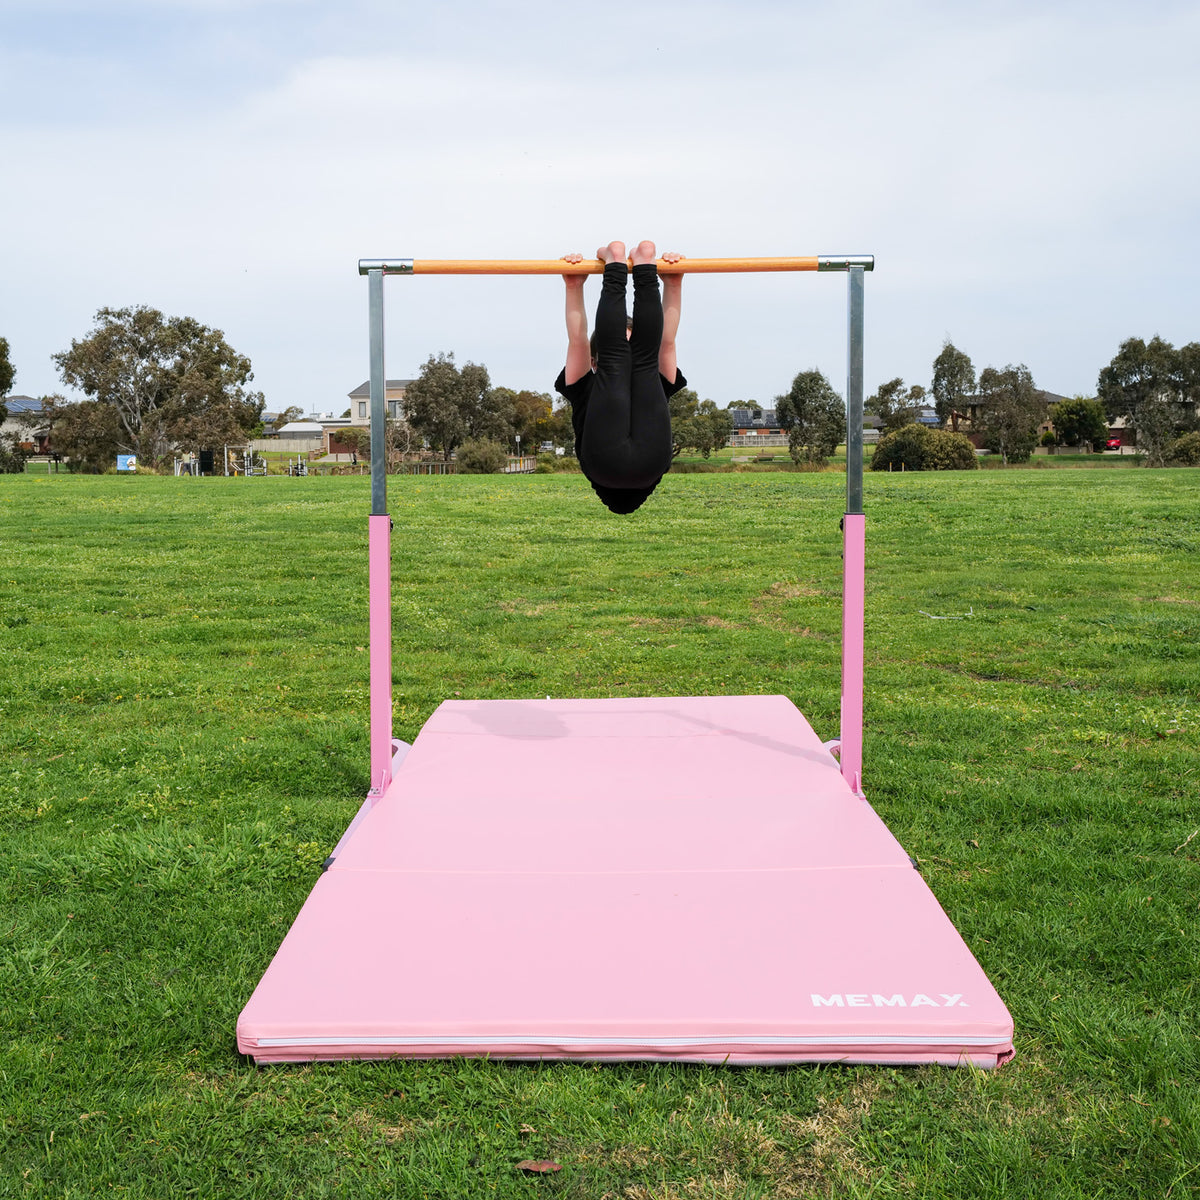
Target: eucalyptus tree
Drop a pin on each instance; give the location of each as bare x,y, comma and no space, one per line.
1010,410
953,383
171,382
1156,389
813,415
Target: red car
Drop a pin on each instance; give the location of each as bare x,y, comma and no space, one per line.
1113,443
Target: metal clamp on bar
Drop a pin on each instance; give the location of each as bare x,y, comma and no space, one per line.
389,266
843,262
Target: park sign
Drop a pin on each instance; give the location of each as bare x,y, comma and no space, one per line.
126,462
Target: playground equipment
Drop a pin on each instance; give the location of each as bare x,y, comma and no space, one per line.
653,904
242,460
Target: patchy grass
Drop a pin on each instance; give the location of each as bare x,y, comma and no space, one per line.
184,707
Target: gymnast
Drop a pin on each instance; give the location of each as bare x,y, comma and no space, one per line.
619,380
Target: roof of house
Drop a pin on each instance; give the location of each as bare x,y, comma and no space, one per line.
364,389
302,427
21,404
753,417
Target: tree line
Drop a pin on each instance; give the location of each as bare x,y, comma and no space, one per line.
157,385
1152,386
456,409
153,385
450,407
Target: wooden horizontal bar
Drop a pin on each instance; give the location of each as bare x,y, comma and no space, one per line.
593,266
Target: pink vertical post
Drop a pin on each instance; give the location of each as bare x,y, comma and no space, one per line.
854,603
379,555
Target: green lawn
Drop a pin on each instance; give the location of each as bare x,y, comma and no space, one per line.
184,715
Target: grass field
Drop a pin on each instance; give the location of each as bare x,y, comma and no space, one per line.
184,716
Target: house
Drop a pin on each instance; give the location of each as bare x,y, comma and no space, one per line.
754,426
23,424
393,395
303,431
966,422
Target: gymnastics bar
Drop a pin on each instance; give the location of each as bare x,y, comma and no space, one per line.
849,743
593,266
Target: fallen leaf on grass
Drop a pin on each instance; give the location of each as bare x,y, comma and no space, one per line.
541,1166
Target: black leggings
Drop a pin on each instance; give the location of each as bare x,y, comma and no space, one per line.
627,426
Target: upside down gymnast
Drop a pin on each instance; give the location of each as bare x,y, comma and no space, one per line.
618,381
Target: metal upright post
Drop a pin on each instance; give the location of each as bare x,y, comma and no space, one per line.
853,545
379,554
854,390
378,396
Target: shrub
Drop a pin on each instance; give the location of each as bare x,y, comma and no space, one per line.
1048,438
1186,451
556,464
479,457
12,457
919,448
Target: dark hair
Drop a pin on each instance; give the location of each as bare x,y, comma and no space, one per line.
623,500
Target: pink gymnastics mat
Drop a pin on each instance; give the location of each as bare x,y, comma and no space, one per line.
669,879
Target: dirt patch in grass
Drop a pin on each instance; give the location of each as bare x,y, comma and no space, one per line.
682,622
786,1157
521,608
769,607
374,1128
792,591
829,1137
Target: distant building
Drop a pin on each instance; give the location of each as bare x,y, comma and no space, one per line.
751,421
754,426
313,431
393,396
23,423
969,422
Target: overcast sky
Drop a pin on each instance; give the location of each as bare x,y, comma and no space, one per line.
1025,174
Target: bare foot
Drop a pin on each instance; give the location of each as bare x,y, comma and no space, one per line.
672,256
644,253
613,252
